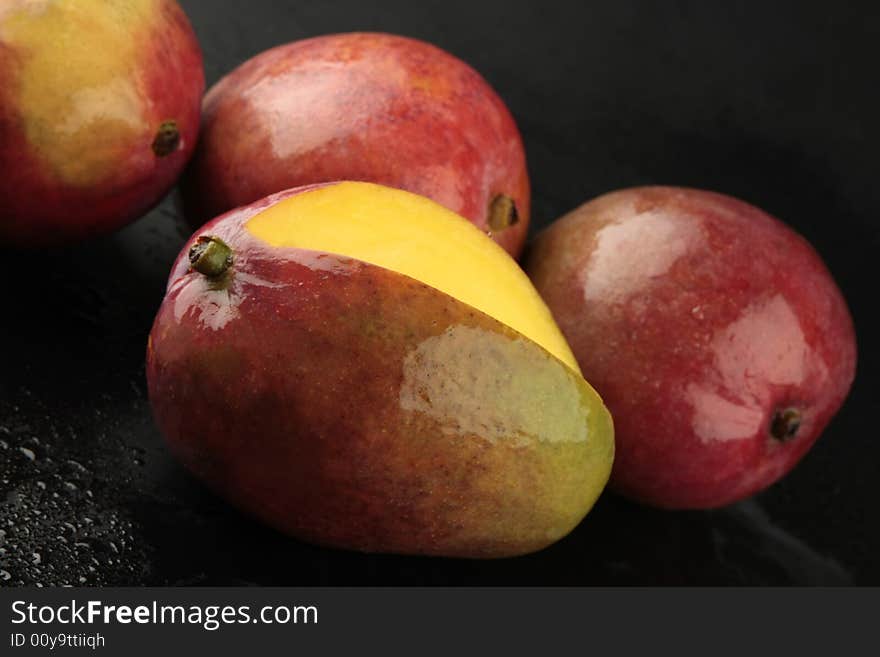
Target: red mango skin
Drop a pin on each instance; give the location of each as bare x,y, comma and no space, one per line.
285,389
43,207
359,106
697,317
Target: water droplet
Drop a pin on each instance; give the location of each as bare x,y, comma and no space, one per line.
29,453
5,576
36,558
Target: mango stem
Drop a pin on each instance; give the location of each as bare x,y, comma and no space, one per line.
210,256
785,424
502,213
167,139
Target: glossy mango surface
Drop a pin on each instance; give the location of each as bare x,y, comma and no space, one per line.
99,112
355,406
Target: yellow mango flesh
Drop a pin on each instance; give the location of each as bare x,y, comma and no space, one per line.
416,237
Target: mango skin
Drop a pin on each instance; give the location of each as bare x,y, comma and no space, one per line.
359,106
699,318
84,90
354,407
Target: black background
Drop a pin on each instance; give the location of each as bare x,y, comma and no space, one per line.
775,103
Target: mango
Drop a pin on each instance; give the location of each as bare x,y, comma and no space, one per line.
99,113
375,107
362,368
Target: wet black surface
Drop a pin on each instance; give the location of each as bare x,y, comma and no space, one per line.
776,105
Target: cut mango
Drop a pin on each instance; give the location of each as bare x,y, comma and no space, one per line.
432,245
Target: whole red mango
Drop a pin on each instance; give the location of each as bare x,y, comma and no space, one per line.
372,107
99,113
713,331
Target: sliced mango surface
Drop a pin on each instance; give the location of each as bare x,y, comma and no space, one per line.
416,237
